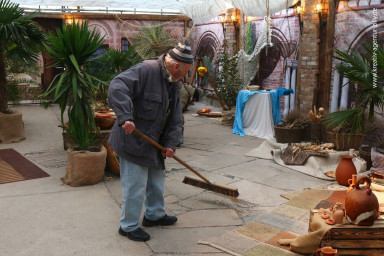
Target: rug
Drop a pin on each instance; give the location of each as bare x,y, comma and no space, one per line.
15,167
315,166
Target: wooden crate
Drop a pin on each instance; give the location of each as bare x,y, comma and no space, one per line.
356,240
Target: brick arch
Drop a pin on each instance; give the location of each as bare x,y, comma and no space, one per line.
208,45
365,34
105,30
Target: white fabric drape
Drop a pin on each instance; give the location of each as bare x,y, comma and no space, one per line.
199,11
258,8
257,116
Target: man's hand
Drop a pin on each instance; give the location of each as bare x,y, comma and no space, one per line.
128,126
169,153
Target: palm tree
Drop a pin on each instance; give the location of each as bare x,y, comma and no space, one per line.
20,41
367,71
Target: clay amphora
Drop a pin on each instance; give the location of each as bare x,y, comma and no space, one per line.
345,170
361,205
326,251
352,182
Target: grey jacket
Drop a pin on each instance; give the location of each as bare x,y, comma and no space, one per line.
144,95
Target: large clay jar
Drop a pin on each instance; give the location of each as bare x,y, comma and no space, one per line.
361,205
345,170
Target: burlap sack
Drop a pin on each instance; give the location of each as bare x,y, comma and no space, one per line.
85,167
11,127
310,242
186,93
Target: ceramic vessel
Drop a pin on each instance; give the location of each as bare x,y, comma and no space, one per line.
361,205
326,251
337,216
352,182
345,170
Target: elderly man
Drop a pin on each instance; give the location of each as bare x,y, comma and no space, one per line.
146,97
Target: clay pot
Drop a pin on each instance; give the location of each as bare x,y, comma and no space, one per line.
352,182
345,170
361,205
337,216
326,251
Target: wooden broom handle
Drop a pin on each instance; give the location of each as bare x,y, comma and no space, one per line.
158,146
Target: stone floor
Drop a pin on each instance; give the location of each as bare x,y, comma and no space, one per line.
45,217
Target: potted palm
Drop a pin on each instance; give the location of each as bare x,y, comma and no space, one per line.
347,127
20,42
73,48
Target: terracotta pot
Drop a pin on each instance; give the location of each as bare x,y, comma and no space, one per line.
326,251
361,205
345,170
352,182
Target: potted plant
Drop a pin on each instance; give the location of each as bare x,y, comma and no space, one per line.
20,42
73,47
347,127
228,83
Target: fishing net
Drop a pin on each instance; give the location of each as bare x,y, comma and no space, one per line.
249,64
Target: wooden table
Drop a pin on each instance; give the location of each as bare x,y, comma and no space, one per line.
356,240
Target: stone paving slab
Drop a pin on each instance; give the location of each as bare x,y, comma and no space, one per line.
257,193
259,231
217,161
279,221
183,240
235,242
209,218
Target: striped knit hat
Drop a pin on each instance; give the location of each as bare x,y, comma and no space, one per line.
182,53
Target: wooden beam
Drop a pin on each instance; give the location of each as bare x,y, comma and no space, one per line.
327,35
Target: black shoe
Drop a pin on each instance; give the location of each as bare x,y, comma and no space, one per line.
165,221
136,235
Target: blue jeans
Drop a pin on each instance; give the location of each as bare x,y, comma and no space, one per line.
139,182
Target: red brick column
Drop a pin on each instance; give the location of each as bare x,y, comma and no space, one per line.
308,67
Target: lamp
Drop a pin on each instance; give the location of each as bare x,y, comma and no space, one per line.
235,23
69,20
319,9
299,10
222,20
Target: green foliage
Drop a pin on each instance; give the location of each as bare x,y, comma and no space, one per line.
110,64
153,41
228,81
210,68
20,42
368,72
73,47
249,38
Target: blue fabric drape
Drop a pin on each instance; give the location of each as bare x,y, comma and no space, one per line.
243,96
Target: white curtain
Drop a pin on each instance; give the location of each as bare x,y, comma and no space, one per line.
258,8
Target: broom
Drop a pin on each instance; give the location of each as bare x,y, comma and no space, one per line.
204,183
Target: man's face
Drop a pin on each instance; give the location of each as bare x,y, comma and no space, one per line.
179,71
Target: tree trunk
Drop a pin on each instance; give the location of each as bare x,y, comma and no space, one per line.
3,83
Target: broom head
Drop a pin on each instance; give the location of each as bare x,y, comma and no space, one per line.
215,187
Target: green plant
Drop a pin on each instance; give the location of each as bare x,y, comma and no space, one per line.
111,63
368,72
20,42
73,47
153,41
249,38
228,81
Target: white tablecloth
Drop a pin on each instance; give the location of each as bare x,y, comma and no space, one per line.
257,117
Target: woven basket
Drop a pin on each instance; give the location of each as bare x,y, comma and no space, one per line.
289,135
344,141
365,153
112,159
